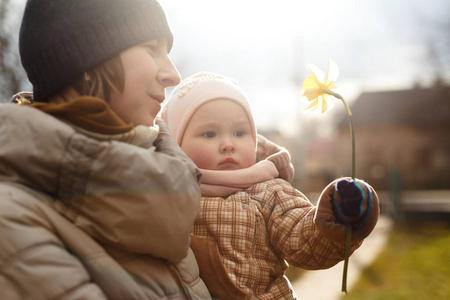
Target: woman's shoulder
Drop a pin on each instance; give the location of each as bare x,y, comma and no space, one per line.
22,117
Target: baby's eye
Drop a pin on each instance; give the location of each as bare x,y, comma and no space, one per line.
239,133
209,134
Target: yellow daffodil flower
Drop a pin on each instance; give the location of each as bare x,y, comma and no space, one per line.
317,87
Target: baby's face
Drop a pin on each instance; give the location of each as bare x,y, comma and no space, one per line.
219,137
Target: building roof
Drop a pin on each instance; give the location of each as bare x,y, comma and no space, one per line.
417,107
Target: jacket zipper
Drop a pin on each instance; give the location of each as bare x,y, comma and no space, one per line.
253,257
176,277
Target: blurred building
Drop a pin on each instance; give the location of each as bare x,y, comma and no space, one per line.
401,135
402,142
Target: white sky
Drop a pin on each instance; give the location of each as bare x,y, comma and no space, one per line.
265,45
377,44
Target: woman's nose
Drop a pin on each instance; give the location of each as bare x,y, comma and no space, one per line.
168,73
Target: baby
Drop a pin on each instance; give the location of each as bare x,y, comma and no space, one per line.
252,221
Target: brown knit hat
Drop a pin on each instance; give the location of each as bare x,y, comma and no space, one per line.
61,39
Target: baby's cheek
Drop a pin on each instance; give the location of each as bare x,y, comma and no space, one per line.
248,153
203,159
249,159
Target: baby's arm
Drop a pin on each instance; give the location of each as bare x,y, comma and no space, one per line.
295,234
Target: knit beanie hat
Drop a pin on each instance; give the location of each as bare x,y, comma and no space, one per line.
196,90
61,39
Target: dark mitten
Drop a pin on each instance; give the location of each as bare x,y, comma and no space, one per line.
351,204
344,202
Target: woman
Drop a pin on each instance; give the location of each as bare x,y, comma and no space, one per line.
96,199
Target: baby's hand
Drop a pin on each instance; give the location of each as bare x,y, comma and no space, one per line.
344,202
278,155
352,202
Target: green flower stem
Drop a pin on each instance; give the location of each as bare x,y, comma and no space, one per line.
352,129
347,256
349,227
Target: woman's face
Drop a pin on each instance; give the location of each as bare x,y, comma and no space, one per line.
148,71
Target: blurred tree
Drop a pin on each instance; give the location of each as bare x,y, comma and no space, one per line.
12,75
437,41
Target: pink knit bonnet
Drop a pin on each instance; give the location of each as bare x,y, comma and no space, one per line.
196,90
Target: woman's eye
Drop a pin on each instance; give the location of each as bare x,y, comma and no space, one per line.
151,49
209,134
239,133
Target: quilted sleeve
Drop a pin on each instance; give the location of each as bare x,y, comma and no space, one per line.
293,233
34,263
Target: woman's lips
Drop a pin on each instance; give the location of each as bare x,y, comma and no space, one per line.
158,98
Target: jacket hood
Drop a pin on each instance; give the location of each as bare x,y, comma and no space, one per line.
34,156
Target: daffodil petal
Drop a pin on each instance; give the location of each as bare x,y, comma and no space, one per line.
329,100
324,104
318,73
311,94
310,83
332,72
313,105
331,85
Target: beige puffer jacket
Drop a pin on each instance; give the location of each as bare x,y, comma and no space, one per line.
82,218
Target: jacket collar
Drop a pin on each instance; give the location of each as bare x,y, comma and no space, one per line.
90,113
